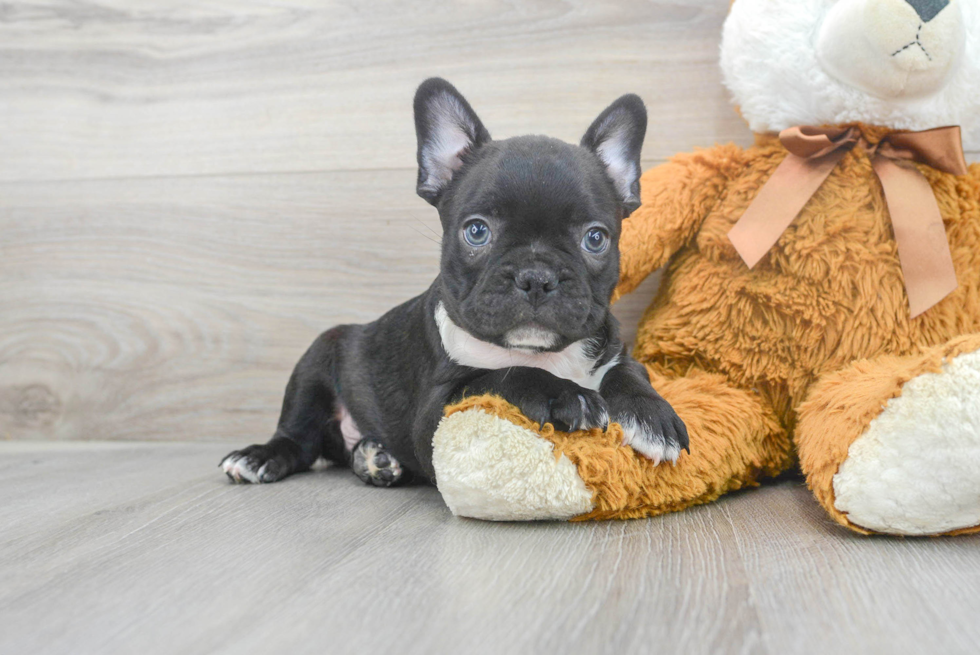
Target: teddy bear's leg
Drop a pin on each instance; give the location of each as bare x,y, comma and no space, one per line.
736,439
494,463
892,445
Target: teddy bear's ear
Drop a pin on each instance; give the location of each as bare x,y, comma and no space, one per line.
447,128
617,137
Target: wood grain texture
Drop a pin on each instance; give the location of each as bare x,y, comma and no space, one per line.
175,308
109,88
130,547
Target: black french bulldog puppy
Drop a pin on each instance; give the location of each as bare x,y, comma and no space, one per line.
520,307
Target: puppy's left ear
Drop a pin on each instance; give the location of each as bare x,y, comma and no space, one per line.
617,137
447,128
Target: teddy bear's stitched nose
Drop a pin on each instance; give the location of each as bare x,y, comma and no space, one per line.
927,9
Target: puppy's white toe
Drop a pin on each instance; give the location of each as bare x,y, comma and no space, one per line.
648,442
239,470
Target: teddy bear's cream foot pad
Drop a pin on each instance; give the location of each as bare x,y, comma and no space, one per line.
916,470
489,468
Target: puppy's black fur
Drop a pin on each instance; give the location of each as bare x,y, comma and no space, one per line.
529,262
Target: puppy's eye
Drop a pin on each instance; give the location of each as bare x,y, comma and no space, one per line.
595,240
476,232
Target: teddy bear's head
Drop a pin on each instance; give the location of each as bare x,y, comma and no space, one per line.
904,64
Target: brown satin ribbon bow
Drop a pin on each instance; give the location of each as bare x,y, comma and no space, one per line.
923,249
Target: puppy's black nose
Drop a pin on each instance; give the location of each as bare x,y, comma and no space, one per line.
537,283
927,9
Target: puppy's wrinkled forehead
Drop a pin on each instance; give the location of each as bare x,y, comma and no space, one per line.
536,178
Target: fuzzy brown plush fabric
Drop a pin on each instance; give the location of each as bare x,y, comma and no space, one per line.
737,445
828,299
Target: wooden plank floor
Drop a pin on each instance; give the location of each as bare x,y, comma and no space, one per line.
146,548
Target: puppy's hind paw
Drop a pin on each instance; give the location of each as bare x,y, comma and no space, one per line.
374,465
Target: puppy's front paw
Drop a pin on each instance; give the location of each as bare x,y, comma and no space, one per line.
374,465
255,464
650,426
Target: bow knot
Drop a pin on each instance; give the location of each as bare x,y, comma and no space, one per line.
919,231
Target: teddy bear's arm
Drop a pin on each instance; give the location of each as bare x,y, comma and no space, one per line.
677,196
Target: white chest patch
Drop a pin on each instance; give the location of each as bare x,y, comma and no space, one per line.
571,363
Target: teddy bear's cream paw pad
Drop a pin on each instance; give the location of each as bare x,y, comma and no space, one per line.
488,468
916,471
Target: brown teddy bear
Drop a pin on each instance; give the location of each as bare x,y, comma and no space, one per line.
821,302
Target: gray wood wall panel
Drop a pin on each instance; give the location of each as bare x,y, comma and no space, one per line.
121,89
174,308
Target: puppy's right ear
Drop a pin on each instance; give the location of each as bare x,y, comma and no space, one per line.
616,137
447,128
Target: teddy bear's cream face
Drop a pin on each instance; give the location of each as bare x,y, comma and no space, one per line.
892,48
905,64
